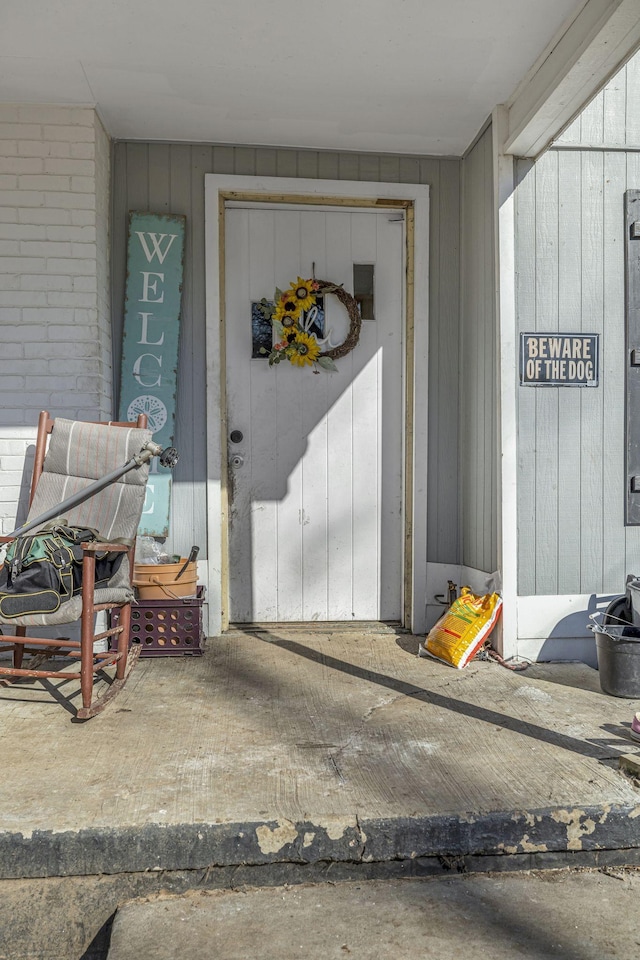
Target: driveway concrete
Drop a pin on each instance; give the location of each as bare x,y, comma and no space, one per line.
563,915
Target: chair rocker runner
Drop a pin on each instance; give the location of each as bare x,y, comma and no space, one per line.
91,475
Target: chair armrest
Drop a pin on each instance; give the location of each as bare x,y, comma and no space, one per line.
92,547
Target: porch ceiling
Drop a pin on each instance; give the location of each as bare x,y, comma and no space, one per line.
399,76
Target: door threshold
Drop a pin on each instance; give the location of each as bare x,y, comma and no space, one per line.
321,626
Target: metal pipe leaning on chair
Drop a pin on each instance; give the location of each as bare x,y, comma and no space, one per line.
168,458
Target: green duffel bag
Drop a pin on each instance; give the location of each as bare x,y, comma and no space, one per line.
43,570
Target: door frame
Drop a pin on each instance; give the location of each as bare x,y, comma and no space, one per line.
414,200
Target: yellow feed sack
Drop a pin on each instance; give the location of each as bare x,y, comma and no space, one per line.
459,634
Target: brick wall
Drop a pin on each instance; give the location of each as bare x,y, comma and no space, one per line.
103,259
55,345
17,448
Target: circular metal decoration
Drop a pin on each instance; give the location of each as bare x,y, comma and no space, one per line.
155,410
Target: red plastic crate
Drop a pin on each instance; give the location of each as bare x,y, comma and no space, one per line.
166,628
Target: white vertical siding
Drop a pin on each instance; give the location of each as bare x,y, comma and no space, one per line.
570,277
612,119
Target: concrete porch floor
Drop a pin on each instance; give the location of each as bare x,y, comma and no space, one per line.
281,756
281,746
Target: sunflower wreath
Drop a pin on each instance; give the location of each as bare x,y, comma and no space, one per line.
293,314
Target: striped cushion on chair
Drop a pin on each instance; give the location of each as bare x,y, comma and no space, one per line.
80,453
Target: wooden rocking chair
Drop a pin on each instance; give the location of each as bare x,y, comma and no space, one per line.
71,455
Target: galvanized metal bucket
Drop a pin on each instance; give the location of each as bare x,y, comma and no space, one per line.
618,650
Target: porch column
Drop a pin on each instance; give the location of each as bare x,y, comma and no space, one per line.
504,240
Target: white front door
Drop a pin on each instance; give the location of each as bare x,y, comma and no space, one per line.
316,460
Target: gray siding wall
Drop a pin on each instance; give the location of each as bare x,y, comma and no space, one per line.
570,277
478,363
169,178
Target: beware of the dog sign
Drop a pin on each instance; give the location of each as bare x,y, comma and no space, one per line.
559,359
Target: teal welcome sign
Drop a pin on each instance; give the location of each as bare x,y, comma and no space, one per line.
149,371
